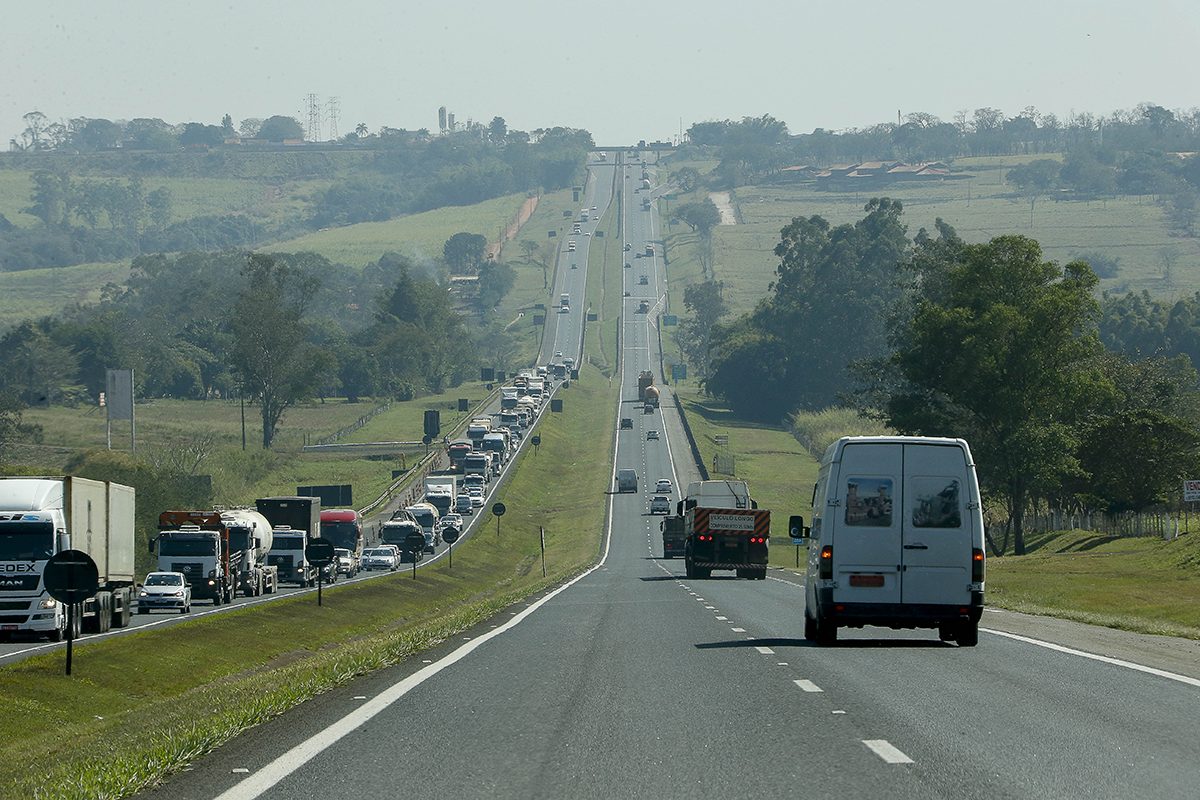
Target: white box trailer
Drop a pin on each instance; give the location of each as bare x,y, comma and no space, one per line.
896,538
45,515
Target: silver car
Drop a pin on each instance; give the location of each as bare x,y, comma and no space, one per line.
168,590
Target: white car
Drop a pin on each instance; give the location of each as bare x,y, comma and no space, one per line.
345,561
452,521
564,309
651,434
168,590
475,491
558,353
659,504
476,501
663,486
380,558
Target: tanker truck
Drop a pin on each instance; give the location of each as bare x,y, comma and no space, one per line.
250,534
43,516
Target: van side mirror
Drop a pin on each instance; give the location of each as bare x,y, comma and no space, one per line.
796,527
679,509
150,544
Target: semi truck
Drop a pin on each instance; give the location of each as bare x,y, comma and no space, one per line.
294,521
478,427
724,529
396,531
441,491
219,552
457,451
42,516
426,515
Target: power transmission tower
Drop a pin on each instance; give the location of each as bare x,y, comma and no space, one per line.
331,110
313,132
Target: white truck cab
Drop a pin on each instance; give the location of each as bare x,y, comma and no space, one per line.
896,538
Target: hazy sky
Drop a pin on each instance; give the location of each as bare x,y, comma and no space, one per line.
623,70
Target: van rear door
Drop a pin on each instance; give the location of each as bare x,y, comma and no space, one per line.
867,542
938,527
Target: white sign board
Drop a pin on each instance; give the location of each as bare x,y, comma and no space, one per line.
731,522
1191,491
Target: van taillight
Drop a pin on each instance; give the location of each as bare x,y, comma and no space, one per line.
826,570
976,565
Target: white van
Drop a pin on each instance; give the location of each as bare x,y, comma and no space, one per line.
896,538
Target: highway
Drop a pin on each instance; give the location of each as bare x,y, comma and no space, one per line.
562,335
632,681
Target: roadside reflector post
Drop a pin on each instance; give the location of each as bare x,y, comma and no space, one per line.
71,612
542,535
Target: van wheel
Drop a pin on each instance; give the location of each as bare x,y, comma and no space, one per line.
967,634
946,632
810,627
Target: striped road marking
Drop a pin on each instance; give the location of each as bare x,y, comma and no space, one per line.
887,751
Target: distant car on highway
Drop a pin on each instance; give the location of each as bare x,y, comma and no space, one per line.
664,486
651,434
167,590
463,504
659,504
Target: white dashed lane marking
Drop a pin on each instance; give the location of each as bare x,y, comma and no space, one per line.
738,630
887,751
723,619
766,651
808,686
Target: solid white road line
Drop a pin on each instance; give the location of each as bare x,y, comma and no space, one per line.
808,686
887,751
1117,662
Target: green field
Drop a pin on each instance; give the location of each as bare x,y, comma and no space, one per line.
34,293
419,236
201,683
981,207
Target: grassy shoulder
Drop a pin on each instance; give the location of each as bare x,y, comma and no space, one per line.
1140,584
200,683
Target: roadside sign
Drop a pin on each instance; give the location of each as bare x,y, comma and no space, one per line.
535,440
1191,491
498,509
450,535
319,551
71,576
414,542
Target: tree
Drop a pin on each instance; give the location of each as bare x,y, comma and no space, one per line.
278,128
1035,179
35,127
96,134
701,217
276,365
227,126
496,279
686,178
159,204
361,130
694,335
464,252
249,127
197,134
999,350
497,131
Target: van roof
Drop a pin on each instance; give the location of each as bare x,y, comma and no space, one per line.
835,449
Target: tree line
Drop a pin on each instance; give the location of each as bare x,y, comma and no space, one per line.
754,149
91,197
274,329
1080,402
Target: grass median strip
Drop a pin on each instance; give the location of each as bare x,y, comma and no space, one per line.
143,705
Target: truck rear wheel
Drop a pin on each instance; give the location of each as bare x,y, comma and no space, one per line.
967,634
810,627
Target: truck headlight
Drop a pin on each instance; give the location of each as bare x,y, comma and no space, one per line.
143,593
48,602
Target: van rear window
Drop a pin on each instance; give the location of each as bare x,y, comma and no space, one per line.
936,503
869,502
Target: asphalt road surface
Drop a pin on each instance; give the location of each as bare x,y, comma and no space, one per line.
634,681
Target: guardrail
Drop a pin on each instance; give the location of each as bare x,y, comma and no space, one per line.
687,429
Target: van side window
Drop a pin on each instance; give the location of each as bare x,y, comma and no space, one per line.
869,502
936,503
